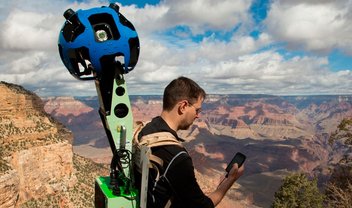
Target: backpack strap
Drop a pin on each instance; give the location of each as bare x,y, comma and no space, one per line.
159,139
155,139
144,159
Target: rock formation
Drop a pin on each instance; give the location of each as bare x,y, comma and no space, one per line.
36,151
37,165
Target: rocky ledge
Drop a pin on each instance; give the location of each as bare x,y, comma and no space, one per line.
35,150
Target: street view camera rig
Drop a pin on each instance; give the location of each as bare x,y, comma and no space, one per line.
100,44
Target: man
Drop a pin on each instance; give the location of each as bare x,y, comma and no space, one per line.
182,104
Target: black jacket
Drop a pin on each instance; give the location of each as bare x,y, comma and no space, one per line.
179,183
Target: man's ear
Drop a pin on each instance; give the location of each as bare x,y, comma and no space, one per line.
182,106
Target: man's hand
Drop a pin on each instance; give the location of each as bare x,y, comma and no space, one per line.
226,183
236,172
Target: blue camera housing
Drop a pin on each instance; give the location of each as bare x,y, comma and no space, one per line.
93,40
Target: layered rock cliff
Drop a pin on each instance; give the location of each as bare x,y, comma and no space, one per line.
36,157
35,149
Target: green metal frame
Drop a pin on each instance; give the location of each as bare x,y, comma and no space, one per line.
112,201
119,122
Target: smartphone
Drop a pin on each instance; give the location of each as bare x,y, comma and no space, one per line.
239,158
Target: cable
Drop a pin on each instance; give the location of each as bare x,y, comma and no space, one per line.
124,156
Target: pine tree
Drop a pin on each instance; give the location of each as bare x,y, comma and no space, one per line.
339,187
298,191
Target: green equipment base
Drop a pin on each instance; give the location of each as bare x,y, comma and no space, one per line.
104,197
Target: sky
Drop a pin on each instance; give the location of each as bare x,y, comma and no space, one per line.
277,47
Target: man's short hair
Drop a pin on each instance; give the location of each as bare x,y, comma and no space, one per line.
179,89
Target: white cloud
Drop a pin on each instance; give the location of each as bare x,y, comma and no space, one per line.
269,72
27,63
198,15
242,64
312,25
29,30
146,20
214,50
202,15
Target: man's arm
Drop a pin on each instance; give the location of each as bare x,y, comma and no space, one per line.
185,185
226,184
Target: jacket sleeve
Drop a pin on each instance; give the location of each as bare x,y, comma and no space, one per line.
185,186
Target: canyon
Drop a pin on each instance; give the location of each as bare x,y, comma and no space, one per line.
279,134
52,148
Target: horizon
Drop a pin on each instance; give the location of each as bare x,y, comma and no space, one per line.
269,95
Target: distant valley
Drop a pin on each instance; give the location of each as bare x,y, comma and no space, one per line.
277,133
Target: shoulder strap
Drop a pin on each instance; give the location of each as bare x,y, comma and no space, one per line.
152,140
159,139
155,139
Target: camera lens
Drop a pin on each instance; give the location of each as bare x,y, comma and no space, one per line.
101,35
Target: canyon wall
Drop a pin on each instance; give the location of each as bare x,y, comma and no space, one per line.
36,151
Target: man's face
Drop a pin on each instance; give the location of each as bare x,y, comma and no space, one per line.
191,114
